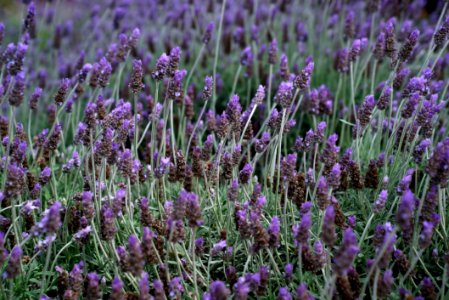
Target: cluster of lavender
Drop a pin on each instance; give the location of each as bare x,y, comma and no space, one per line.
224,149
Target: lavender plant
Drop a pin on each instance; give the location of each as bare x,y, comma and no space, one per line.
224,150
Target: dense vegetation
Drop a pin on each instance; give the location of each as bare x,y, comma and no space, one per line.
224,149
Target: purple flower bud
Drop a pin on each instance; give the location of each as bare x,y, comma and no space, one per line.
117,292
385,98
51,222
175,56
82,75
274,232
381,201
61,94
302,81
13,267
93,290
283,68
409,45
175,288
341,61
208,88
217,291
366,110
134,38
328,234
107,223
144,287
45,176
161,67
442,33
273,52
246,57
284,294
260,95
438,165
379,47
301,231
34,98
334,176
17,91
404,214
346,253
355,50
208,33
284,95
245,173
159,292
302,293
136,78
218,247
425,238
136,261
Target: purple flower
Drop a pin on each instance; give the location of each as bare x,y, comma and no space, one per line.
117,292
45,176
273,52
366,110
334,176
242,289
425,238
302,81
136,78
302,293
93,290
217,291
438,165
175,288
245,173
51,222
175,56
341,61
442,33
328,234
218,247
409,45
208,33
322,193
381,201
301,231
17,92
208,88
404,214
61,94
355,50
274,232
379,47
159,292
284,95
161,67
13,267
136,261
246,58
330,152
385,98
107,223
144,287
193,212
260,95
284,294
34,98
346,253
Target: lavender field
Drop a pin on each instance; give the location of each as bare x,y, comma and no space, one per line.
224,149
